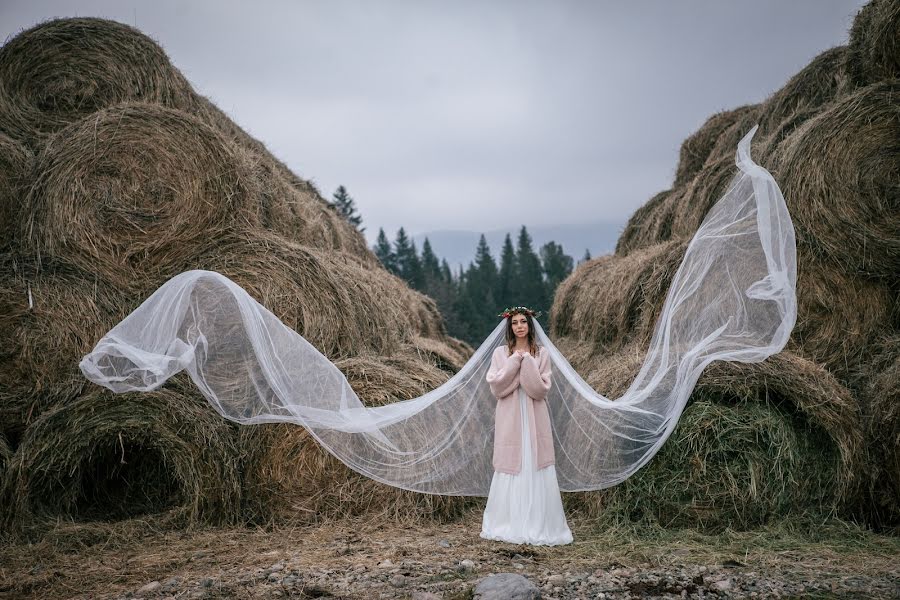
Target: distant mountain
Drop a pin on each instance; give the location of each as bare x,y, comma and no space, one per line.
458,247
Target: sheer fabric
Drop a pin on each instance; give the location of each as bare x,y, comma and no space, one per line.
732,298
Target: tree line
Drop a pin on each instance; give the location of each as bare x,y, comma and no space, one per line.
471,298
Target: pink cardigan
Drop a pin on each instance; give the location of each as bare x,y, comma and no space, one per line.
505,376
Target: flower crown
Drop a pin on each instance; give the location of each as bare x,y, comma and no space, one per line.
524,310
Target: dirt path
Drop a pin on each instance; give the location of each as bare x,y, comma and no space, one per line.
359,559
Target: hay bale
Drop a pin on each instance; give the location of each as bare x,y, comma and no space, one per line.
754,442
651,223
881,413
692,205
136,190
838,316
337,301
696,149
133,189
613,300
15,169
839,172
804,95
727,142
5,455
49,319
295,209
108,456
290,476
874,49
62,70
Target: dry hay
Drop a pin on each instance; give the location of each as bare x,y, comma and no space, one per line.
62,70
49,319
338,302
15,168
290,476
726,144
839,174
696,149
874,49
881,413
839,316
108,456
5,455
755,442
804,95
651,223
614,300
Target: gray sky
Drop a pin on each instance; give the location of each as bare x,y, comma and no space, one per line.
477,115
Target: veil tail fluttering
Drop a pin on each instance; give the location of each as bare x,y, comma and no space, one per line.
733,298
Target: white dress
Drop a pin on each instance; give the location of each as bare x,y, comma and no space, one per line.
526,508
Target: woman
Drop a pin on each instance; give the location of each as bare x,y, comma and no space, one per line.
524,504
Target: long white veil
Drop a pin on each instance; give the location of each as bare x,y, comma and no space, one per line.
733,298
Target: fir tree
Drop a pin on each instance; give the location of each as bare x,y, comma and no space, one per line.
385,254
586,257
557,265
344,205
529,287
507,274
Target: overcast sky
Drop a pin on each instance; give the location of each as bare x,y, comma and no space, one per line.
477,115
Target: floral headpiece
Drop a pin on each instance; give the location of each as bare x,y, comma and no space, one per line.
524,310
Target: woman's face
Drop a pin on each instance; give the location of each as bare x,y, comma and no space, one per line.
520,326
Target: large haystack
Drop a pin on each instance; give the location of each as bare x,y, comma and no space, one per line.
817,426
131,178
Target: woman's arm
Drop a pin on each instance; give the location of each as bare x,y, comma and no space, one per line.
503,376
535,375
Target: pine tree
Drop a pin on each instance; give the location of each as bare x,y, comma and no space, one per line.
557,265
344,205
529,286
431,269
506,275
408,266
586,257
385,254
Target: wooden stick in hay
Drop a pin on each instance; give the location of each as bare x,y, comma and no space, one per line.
107,456
49,319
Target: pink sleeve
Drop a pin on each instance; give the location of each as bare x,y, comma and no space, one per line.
535,375
503,376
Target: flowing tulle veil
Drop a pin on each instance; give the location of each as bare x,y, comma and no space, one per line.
733,298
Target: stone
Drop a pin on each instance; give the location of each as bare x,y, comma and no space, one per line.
444,544
722,585
153,586
466,565
506,586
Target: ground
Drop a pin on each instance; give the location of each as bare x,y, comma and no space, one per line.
357,558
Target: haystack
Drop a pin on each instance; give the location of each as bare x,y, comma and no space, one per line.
829,136
15,165
290,476
839,174
696,149
135,178
874,48
62,70
106,456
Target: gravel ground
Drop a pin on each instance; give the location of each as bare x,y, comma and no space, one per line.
357,559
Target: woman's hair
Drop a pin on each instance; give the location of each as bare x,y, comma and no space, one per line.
511,337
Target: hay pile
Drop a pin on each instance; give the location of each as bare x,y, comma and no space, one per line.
115,175
816,427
